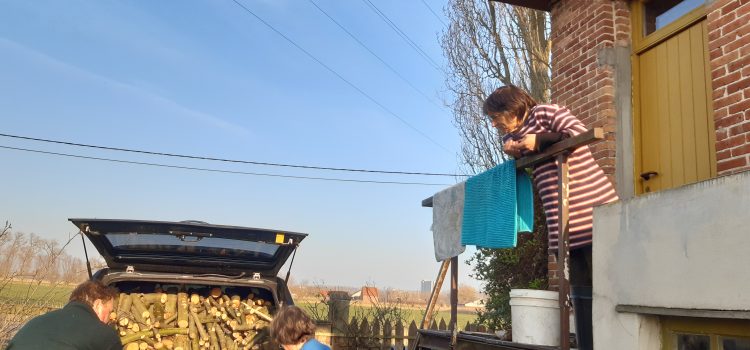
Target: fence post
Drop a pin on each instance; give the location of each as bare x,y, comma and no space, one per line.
442,326
399,343
338,309
387,335
412,333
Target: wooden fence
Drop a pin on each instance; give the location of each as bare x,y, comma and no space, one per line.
367,335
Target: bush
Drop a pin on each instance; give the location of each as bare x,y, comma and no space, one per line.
501,270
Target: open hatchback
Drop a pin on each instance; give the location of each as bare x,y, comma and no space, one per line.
189,247
226,276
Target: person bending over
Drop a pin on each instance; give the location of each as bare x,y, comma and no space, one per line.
80,325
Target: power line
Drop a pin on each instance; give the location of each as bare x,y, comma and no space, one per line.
175,155
355,87
401,33
218,170
374,54
433,13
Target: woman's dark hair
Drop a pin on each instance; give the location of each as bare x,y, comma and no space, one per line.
87,292
508,101
292,326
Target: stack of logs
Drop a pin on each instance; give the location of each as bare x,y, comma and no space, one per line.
191,322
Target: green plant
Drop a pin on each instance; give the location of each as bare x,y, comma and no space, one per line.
501,270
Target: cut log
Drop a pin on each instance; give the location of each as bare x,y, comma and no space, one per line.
139,309
193,330
151,298
158,315
182,310
181,343
199,326
170,307
144,334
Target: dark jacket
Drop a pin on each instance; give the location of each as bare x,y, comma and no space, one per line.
75,326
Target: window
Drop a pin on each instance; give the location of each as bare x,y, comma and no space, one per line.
693,333
659,13
123,242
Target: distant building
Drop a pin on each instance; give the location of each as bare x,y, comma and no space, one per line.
425,288
368,295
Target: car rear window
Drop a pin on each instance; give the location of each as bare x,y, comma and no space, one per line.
199,246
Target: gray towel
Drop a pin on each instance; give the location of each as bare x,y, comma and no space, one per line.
447,215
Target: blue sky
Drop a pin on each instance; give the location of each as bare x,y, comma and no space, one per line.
206,78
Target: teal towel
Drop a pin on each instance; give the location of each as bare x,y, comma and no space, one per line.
497,205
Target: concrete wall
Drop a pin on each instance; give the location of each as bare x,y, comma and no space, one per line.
684,248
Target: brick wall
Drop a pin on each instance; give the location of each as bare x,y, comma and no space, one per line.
580,31
729,54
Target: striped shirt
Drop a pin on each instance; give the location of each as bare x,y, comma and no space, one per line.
589,186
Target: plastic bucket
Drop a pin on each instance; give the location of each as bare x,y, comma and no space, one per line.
536,316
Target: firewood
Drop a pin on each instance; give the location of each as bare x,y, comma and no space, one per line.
124,303
181,342
199,326
132,346
193,330
144,334
139,309
182,311
158,315
214,340
170,307
215,292
260,314
236,301
152,298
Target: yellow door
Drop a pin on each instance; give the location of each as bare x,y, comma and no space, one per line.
673,121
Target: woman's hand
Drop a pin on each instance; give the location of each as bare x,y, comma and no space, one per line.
517,149
510,148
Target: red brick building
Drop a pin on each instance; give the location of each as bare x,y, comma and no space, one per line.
669,82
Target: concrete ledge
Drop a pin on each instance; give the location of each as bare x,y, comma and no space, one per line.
665,311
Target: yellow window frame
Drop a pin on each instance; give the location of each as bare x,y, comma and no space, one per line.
712,327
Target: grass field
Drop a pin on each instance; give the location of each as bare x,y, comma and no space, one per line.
37,294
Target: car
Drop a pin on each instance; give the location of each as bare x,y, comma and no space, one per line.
219,269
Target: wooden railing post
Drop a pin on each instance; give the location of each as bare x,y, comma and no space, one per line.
563,258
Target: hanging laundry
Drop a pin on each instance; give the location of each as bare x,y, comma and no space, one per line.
497,205
447,215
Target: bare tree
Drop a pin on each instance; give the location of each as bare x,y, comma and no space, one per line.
29,278
488,44
466,294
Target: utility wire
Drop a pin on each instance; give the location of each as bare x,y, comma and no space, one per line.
433,13
355,87
218,170
374,54
401,33
175,155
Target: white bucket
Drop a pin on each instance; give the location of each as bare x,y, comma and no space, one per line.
536,316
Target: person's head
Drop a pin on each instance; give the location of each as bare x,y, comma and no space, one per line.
507,107
291,327
95,294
